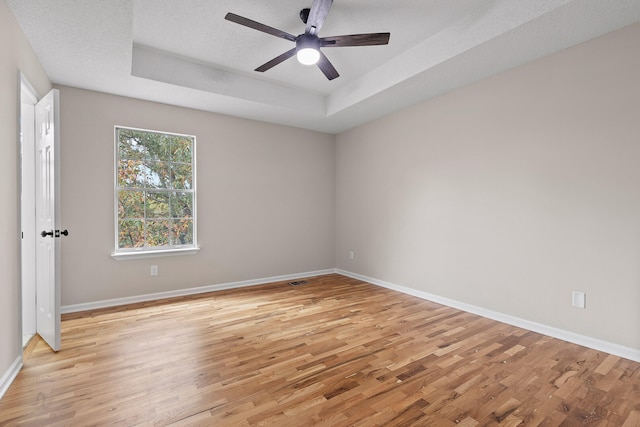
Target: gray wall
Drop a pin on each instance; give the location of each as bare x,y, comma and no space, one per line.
15,54
265,193
510,193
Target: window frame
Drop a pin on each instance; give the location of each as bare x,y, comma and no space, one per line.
154,251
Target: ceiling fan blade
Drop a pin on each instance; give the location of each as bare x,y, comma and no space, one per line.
327,67
371,39
258,26
317,15
277,60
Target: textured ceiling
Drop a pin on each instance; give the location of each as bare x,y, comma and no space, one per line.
183,52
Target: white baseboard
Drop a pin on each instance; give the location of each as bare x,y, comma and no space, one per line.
73,308
10,375
583,340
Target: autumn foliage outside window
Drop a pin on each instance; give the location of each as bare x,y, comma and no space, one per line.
155,190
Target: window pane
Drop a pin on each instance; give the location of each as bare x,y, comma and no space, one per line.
157,232
182,232
130,204
182,174
157,145
131,173
181,149
157,205
158,174
181,205
130,233
129,147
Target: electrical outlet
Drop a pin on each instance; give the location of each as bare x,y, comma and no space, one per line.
351,254
579,299
154,270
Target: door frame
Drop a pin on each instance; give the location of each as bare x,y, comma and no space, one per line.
28,97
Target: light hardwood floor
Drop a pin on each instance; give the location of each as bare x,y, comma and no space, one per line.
333,352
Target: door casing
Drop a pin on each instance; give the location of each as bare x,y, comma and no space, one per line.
28,99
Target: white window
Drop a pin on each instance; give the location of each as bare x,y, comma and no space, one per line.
155,195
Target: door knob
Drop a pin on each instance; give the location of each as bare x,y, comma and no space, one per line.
46,233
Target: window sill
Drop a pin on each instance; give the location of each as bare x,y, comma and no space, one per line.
153,254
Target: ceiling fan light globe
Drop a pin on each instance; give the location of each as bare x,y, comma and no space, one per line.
308,56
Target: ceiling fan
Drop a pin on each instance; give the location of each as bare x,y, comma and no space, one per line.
308,44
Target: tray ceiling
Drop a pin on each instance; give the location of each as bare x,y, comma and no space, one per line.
183,52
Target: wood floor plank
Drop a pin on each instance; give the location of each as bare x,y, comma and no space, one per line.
334,352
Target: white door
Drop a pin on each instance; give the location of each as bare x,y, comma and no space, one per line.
47,220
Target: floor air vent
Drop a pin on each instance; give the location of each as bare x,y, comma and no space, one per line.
298,283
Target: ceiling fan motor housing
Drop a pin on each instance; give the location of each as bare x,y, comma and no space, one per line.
307,41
